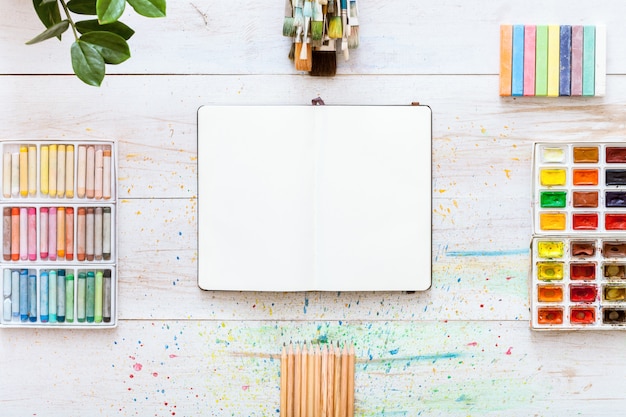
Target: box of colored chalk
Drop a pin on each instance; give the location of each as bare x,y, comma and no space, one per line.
552,60
578,257
59,234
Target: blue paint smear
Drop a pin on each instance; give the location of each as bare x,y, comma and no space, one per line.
394,351
306,304
524,251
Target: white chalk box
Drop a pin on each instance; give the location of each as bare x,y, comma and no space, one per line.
59,234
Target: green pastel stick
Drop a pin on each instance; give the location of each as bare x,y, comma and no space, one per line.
589,62
69,297
541,61
98,298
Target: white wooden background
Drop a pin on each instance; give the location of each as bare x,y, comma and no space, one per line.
463,348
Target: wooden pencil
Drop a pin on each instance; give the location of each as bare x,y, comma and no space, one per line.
304,381
324,374
297,381
337,382
351,363
344,382
290,381
283,382
330,407
310,383
317,380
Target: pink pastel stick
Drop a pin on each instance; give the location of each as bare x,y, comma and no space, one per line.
52,233
530,35
577,61
43,224
32,234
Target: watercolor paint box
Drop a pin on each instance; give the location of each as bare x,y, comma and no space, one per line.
59,225
578,271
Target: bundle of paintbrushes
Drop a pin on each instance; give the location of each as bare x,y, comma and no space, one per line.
316,28
317,380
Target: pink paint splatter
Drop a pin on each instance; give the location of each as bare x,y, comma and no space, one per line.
172,356
245,387
137,367
508,352
131,357
155,374
472,344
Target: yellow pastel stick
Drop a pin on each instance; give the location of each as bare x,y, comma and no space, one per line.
52,170
44,170
32,170
69,171
553,60
23,171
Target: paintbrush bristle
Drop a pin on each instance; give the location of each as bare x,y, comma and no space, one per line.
335,28
324,63
353,38
289,29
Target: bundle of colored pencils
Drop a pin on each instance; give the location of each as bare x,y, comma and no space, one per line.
317,381
315,26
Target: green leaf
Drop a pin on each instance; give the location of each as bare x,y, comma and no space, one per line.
48,12
86,26
149,8
112,47
51,32
109,10
83,6
87,63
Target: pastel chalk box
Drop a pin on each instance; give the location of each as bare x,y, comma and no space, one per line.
59,263
578,271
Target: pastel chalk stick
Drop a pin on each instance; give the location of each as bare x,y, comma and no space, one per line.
530,32
589,65
554,42
517,71
541,61
577,61
600,62
506,57
565,60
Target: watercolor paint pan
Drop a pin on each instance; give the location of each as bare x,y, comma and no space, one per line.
578,251
578,283
63,221
579,188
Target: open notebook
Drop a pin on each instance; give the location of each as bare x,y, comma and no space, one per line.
330,198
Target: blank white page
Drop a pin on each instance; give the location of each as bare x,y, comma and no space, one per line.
373,208
333,198
255,205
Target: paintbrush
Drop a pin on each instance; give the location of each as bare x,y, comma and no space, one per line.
325,59
303,62
346,29
307,11
317,24
353,21
335,30
289,29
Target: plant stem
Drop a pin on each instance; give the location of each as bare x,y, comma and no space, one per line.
69,18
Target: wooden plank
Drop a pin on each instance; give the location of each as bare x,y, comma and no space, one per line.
394,39
232,367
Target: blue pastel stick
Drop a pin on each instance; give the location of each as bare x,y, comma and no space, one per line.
517,77
15,293
43,296
32,297
61,296
24,295
52,296
565,61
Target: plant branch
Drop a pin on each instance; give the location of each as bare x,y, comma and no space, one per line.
69,18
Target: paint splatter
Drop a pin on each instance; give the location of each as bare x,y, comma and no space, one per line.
137,367
508,352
